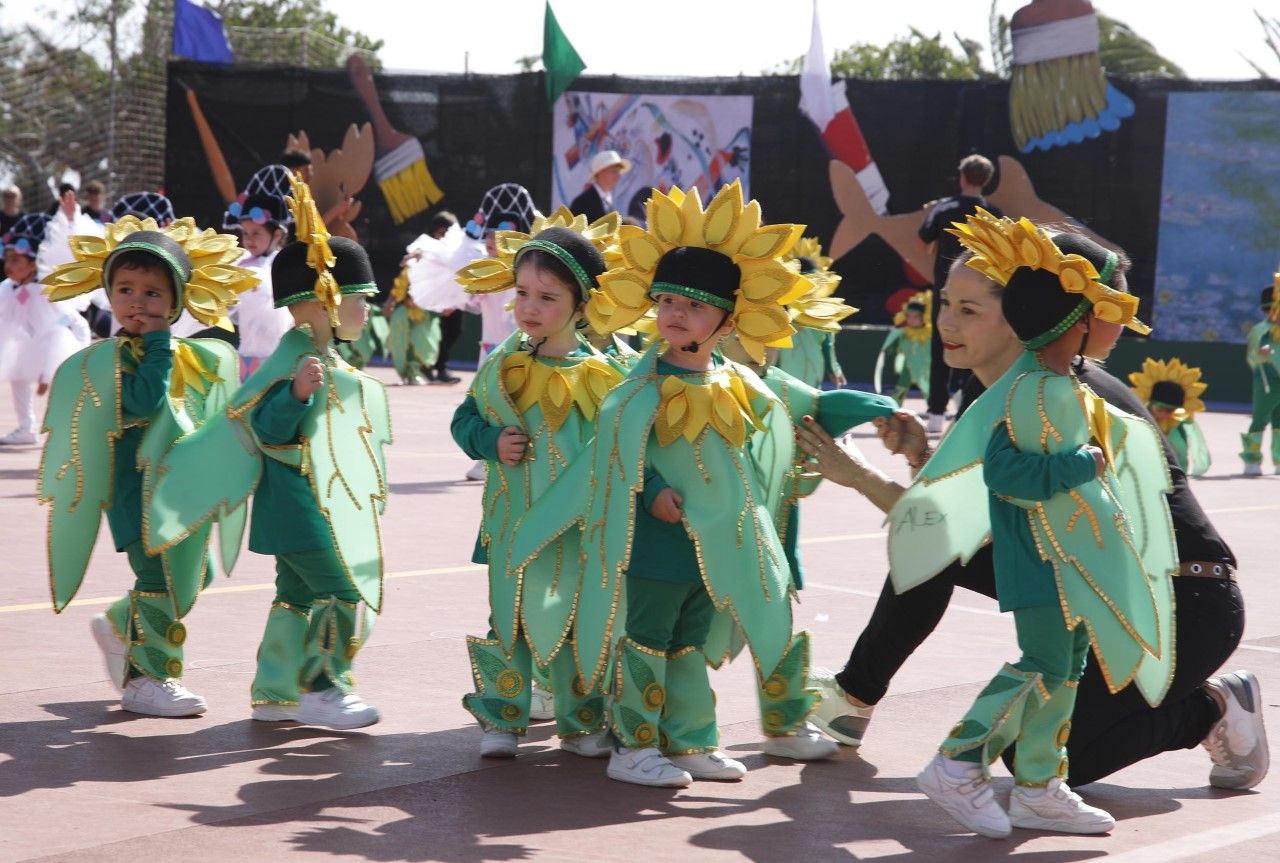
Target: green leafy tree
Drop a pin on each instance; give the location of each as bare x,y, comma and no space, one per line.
911,57
259,31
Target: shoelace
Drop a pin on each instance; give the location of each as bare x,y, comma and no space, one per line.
1216,744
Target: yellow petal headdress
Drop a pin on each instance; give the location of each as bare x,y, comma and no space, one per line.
1174,371
490,275
924,332
311,231
818,309
1001,246
728,226
214,283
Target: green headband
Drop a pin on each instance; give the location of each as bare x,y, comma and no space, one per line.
1109,268
725,303
585,282
302,296
1065,324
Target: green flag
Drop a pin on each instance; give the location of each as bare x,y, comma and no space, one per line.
562,63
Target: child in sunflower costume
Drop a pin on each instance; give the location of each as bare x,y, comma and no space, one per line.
680,539
1075,488
530,412
911,342
305,436
114,409
413,334
836,411
812,355
1264,363
1171,391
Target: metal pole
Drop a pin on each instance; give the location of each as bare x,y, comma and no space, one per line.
111,99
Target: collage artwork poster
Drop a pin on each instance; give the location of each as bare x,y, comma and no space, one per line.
672,140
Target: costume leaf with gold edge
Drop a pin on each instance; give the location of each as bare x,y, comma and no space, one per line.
1001,245
310,230
491,275
728,226
1187,377
215,283
84,419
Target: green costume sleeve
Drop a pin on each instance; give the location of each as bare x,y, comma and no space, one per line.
477,437
831,359
142,392
1031,476
275,419
1197,459
838,411
653,486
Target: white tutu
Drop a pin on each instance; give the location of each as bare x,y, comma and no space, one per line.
36,335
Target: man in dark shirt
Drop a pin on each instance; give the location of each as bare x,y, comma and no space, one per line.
975,172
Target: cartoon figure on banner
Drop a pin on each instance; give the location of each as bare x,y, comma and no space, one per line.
340,175
1172,391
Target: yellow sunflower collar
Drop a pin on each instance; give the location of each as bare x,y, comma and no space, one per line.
556,389
689,407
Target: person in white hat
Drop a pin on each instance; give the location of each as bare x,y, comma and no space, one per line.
607,167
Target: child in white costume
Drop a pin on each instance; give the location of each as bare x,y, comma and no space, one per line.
36,335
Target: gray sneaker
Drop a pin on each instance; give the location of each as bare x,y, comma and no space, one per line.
1238,743
834,715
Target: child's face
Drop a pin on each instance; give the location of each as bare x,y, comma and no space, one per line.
1161,413
256,239
353,314
1102,338
914,318
544,304
140,297
18,266
683,321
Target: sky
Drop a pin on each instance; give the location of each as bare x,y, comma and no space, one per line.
732,37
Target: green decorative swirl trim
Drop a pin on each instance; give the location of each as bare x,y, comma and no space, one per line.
1044,338
693,294
585,282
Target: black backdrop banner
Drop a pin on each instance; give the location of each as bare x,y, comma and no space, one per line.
477,131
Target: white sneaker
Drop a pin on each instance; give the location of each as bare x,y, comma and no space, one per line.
153,698
934,425
275,713
498,744
1238,743
596,745
542,705
1250,468
646,767
834,714
969,799
806,744
113,649
1056,807
332,708
476,471
18,437
710,765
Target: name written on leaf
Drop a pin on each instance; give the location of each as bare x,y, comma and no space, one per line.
916,518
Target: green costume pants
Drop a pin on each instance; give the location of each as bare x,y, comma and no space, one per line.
314,629
1266,411
145,621
662,696
1030,701
504,687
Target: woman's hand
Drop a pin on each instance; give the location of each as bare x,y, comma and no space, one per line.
830,460
512,445
902,433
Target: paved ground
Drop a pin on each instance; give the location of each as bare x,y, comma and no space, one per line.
81,780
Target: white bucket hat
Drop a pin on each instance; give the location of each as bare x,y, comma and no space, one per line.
607,159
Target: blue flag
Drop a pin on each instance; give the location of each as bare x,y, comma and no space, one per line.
198,34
